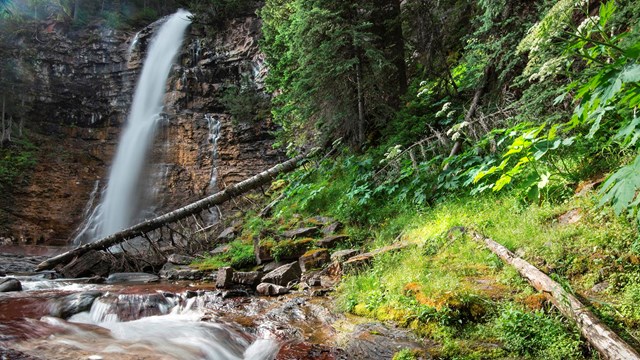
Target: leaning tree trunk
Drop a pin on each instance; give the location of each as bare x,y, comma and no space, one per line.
173,216
603,339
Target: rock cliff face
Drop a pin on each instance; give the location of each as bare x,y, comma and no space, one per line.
84,86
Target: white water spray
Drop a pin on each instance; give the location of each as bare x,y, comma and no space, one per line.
120,203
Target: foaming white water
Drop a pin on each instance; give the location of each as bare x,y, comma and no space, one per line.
120,202
177,333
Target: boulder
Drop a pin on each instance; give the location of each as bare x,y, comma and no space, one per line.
269,267
227,235
343,255
132,278
178,259
180,272
10,284
222,249
225,277
267,289
361,260
331,241
2,273
69,305
284,274
250,278
301,232
261,251
314,259
332,228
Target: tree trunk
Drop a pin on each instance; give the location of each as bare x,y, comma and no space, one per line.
457,146
3,109
360,126
603,339
173,216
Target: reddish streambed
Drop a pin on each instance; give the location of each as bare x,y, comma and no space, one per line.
64,319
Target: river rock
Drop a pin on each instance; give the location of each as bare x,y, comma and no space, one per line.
132,278
2,273
180,272
250,278
234,293
267,289
11,354
227,235
284,275
343,255
331,241
69,305
10,284
15,264
302,232
225,277
314,259
332,228
178,259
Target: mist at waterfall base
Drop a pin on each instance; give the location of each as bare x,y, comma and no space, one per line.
120,206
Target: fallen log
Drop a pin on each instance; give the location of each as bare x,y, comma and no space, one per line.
181,213
603,339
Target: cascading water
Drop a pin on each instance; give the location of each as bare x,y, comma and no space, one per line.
121,198
214,134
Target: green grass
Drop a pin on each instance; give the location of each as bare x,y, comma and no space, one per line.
240,255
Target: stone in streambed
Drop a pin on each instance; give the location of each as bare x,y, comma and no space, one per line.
225,278
178,259
69,305
180,272
10,284
250,278
313,259
267,289
132,278
284,275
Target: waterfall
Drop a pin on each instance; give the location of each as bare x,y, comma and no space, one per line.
121,198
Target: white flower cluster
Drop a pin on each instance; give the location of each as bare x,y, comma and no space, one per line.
587,24
456,130
444,110
391,153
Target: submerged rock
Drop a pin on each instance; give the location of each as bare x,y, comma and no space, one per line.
10,284
69,305
284,275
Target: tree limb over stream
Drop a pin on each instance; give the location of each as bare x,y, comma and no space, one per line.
181,213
